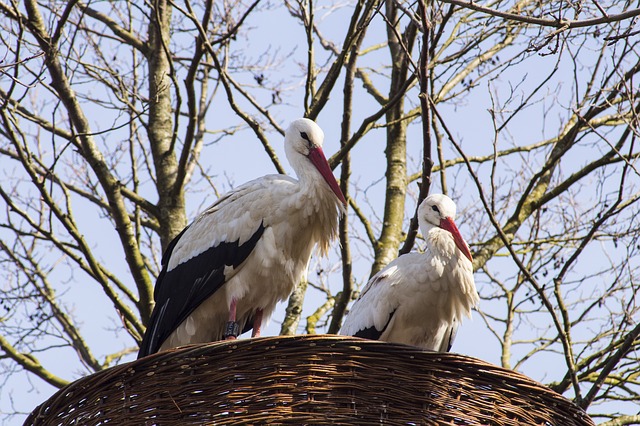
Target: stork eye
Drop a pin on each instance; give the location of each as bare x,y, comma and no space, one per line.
304,136
435,209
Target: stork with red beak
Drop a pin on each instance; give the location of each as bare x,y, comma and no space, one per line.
225,272
420,298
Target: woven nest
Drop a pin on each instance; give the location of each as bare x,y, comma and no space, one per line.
313,380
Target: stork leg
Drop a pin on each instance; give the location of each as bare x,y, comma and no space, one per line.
232,329
257,323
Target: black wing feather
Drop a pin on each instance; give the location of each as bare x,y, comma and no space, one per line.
372,333
452,335
181,290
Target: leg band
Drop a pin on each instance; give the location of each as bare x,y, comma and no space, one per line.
232,329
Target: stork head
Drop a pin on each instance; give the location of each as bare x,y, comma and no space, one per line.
303,146
438,210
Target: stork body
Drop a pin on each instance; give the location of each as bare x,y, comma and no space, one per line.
226,271
420,298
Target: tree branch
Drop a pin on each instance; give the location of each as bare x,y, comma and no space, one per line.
554,23
31,364
427,162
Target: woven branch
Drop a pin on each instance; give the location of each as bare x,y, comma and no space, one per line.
312,380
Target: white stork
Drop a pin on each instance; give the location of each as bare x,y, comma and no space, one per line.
226,271
420,298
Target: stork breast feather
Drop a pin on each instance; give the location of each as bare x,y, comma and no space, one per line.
463,274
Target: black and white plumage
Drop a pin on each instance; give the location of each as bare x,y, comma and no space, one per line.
247,251
420,298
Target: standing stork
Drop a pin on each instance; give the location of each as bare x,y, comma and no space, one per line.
226,271
420,298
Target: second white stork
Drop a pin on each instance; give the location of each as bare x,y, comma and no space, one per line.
226,271
420,298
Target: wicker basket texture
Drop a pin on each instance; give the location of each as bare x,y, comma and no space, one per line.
306,380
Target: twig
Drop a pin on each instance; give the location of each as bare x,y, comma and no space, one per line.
13,64
16,80
621,36
546,22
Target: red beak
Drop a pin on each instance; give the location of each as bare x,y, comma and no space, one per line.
319,160
449,225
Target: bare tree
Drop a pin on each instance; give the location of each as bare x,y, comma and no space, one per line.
119,122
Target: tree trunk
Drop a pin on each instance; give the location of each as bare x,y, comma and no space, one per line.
396,151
